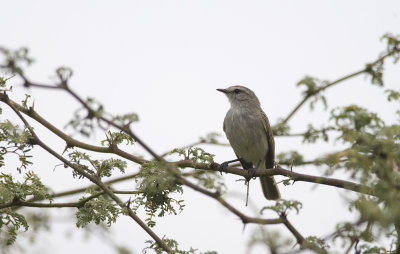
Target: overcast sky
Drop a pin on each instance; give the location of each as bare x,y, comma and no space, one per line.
164,59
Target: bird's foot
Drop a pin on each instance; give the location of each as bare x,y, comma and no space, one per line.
252,172
223,166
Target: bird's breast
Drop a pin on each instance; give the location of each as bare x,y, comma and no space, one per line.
246,134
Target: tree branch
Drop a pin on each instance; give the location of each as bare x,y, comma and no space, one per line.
299,238
280,171
188,163
20,203
71,142
125,129
322,88
33,204
92,178
247,219
79,190
64,86
217,196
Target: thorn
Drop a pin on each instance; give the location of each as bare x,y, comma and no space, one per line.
65,149
128,204
33,106
244,226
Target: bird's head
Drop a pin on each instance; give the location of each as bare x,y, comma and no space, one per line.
238,95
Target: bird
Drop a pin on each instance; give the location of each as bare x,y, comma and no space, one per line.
249,132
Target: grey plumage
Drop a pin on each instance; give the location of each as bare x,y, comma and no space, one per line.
248,130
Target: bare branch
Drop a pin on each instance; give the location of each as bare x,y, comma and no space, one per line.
21,203
283,172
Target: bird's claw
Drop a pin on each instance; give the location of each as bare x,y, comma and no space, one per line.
223,166
252,172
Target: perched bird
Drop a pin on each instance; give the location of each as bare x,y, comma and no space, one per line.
248,130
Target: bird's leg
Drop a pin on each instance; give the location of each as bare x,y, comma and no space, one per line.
252,170
223,165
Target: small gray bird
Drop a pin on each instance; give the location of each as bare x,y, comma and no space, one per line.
248,130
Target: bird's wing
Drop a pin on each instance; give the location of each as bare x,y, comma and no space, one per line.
270,157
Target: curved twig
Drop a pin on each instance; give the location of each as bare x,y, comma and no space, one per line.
188,163
92,178
352,75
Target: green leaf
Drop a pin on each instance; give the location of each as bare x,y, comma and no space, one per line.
97,210
10,223
116,138
282,206
157,183
289,158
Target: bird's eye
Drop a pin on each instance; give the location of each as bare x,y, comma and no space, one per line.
236,91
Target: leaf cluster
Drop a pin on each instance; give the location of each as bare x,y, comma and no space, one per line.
96,167
87,118
14,60
10,223
312,134
173,245
281,128
15,140
97,210
290,158
372,157
85,121
125,119
207,179
195,154
272,240
313,86
316,243
375,70
210,138
12,191
156,183
282,207
116,138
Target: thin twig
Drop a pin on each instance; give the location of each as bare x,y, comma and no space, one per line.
80,190
21,203
71,142
217,196
188,163
125,129
92,178
308,96
247,219
196,144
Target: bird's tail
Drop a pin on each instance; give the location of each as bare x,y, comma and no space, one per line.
269,188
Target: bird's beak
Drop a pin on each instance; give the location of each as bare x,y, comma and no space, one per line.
222,90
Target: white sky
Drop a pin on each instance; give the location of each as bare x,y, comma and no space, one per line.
164,60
